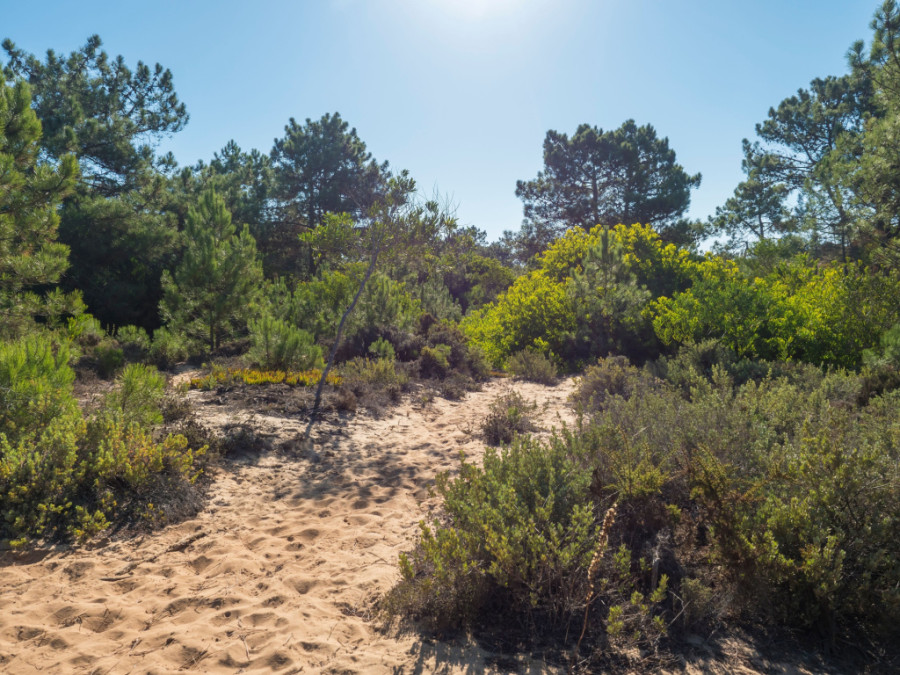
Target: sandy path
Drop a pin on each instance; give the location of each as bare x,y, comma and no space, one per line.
276,575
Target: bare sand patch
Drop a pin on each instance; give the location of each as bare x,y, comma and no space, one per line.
278,573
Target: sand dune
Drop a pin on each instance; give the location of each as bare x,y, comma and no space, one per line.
277,574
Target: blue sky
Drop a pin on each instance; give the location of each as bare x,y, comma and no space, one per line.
462,92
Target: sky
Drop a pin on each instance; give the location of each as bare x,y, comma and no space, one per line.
462,92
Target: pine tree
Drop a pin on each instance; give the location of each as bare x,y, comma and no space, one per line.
208,295
30,193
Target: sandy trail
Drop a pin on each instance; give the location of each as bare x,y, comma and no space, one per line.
277,574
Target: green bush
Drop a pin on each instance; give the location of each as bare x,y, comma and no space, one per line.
613,376
382,349
109,358
775,500
464,357
435,361
826,315
532,366
277,345
84,330
169,347
509,416
534,312
377,372
436,300
887,355
518,540
72,479
35,386
134,341
62,476
137,397
134,337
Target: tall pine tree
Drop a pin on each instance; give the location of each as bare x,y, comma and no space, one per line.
30,192
208,295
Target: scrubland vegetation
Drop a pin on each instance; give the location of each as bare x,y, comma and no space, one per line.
737,455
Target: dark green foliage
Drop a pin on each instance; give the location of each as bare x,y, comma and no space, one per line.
30,193
461,357
245,182
277,345
475,280
758,208
319,167
803,140
209,296
435,299
121,223
120,247
108,357
435,361
382,349
134,341
100,109
532,366
888,352
168,348
627,176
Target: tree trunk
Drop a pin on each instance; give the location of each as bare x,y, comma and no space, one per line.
334,347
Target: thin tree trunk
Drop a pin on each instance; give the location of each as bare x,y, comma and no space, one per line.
334,347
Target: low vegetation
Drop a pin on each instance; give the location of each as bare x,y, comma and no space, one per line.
70,475
772,500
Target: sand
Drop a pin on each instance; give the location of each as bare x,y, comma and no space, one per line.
278,573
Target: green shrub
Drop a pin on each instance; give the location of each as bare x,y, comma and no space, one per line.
518,540
377,372
775,500
108,357
72,479
134,341
84,330
169,347
61,476
818,540
435,361
532,366
134,337
382,349
436,300
137,397
534,312
464,357
821,314
35,385
612,376
509,416
887,355
277,345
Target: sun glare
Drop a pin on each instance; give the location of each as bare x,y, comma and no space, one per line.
476,10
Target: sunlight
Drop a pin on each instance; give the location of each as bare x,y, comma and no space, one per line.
476,10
